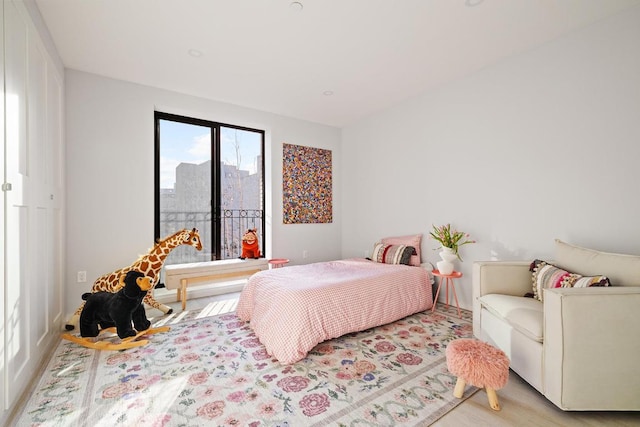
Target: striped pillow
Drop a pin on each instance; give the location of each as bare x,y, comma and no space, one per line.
412,240
392,254
546,276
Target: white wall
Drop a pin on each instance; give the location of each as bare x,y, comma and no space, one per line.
110,143
543,145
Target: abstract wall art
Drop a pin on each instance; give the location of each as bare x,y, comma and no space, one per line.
306,185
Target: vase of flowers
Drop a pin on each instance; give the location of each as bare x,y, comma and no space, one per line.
445,267
451,240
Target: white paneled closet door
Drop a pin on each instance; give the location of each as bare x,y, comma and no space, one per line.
32,231
19,212
3,365
38,240
53,196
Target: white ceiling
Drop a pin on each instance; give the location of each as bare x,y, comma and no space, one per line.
264,54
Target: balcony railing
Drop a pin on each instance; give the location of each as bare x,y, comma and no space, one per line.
233,223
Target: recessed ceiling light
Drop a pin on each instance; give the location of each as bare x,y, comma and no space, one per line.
472,3
296,5
195,53
327,93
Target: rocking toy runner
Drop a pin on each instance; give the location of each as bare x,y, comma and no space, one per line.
108,344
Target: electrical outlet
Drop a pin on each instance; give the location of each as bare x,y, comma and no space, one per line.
82,276
305,253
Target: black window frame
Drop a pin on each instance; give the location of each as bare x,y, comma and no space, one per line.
216,209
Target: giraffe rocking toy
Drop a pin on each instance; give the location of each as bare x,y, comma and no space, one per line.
149,264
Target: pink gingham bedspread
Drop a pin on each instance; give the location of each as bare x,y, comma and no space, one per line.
294,308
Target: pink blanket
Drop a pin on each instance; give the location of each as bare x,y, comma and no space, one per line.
292,309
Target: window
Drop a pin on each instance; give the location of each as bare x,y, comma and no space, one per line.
209,176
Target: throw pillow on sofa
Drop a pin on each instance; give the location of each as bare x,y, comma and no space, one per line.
547,276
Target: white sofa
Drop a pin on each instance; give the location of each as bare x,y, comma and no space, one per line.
580,348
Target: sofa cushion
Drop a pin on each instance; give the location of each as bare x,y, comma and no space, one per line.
547,276
523,314
622,270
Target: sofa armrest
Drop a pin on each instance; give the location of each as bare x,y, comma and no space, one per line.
498,277
501,277
591,347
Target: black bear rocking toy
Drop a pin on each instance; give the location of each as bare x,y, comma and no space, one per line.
121,311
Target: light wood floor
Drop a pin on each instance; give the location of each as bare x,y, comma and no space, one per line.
521,405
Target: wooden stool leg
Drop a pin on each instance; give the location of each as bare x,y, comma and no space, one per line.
493,399
459,390
183,288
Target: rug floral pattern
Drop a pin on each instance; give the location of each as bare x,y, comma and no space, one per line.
214,371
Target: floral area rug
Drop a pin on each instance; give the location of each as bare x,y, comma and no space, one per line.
214,371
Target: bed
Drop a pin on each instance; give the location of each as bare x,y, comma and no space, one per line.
294,308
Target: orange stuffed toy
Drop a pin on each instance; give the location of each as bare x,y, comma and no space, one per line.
250,247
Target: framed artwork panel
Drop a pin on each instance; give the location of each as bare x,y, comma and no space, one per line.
306,185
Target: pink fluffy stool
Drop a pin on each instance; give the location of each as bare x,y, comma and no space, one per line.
479,364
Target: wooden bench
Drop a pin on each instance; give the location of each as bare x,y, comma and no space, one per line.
179,276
